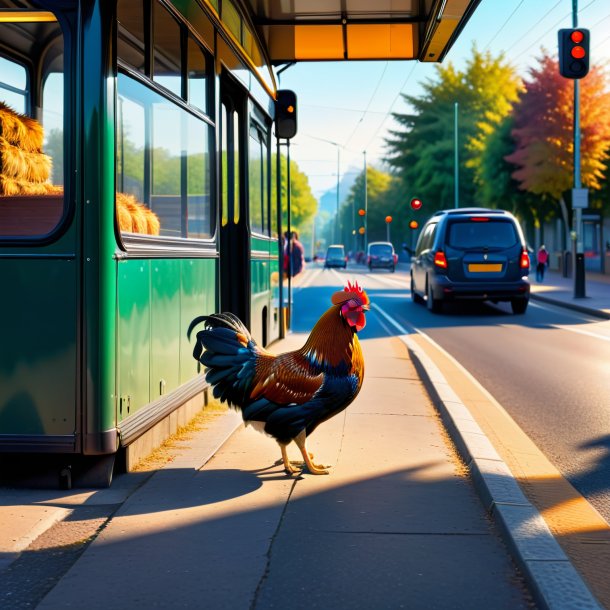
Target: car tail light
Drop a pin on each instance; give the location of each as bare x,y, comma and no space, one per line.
440,260
524,263
479,219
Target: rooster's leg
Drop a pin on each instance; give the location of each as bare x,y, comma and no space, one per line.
300,441
288,467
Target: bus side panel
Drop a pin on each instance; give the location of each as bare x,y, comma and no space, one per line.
165,326
38,360
199,281
134,339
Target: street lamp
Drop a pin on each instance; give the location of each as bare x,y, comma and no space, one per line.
366,204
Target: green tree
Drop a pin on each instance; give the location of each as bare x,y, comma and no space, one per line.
422,151
379,205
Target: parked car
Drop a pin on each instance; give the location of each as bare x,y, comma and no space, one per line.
471,253
335,257
380,254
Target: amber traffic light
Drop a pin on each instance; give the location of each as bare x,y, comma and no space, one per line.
413,224
286,114
361,230
573,52
388,219
361,212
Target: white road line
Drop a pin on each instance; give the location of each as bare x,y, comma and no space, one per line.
582,332
589,319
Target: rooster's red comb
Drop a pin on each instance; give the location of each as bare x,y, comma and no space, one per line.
351,291
355,287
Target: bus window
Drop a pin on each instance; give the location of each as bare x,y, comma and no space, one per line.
255,181
197,76
13,82
130,42
167,65
163,161
32,152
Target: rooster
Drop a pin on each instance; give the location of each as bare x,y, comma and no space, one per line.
287,395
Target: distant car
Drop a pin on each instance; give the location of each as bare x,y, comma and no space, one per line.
471,253
380,254
335,257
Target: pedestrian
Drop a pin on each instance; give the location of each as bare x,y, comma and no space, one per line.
543,261
297,255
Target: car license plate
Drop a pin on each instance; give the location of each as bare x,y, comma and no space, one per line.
485,267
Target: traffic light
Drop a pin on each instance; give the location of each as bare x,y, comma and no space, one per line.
388,219
573,52
286,114
413,224
361,212
416,203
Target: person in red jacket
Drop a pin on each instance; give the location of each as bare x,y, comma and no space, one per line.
543,261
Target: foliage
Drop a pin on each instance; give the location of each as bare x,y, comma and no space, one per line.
303,204
378,204
543,130
422,152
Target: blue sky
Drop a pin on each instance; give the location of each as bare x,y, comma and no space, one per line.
349,103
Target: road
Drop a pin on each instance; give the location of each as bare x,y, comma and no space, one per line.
548,368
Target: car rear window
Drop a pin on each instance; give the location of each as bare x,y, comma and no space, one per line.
335,252
482,234
380,250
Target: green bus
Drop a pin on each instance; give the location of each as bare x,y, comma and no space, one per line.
137,165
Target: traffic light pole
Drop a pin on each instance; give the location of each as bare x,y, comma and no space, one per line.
577,247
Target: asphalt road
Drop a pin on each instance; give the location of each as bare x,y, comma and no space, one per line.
549,368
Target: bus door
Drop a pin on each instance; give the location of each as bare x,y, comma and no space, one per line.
234,236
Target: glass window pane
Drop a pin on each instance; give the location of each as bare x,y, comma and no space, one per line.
163,162
235,152
130,43
166,200
32,152
198,179
167,57
224,169
255,181
197,76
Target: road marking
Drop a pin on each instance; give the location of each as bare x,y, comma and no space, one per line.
580,318
386,280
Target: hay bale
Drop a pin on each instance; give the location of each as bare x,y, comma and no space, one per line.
10,186
20,130
143,220
22,164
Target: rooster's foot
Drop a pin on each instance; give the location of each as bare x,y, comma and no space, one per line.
311,467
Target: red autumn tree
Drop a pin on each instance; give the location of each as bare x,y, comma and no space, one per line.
543,132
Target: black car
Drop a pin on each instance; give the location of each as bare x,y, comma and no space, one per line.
471,253
380,254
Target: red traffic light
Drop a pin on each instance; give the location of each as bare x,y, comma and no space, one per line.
413,224
388,219
361,212
573,46
416,203
577,52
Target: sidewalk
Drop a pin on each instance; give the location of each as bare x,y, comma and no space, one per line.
397,523
559,290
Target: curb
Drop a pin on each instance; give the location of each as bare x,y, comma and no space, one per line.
598,313
553,579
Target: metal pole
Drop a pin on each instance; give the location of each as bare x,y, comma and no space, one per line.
455,146
366,205
337,232
387,224
579,258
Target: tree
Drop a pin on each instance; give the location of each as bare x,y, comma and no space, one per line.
422,152
543,132
379,205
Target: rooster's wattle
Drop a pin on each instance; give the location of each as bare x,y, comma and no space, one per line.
287,395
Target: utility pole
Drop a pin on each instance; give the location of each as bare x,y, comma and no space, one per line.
366,205
577,248
456,180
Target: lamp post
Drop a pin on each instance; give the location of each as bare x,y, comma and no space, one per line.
455,146
388,222
366,204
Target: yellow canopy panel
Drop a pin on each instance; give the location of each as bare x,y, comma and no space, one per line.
330,30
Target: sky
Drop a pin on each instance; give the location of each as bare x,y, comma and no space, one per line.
344,108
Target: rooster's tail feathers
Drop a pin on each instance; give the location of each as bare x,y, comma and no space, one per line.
230,355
